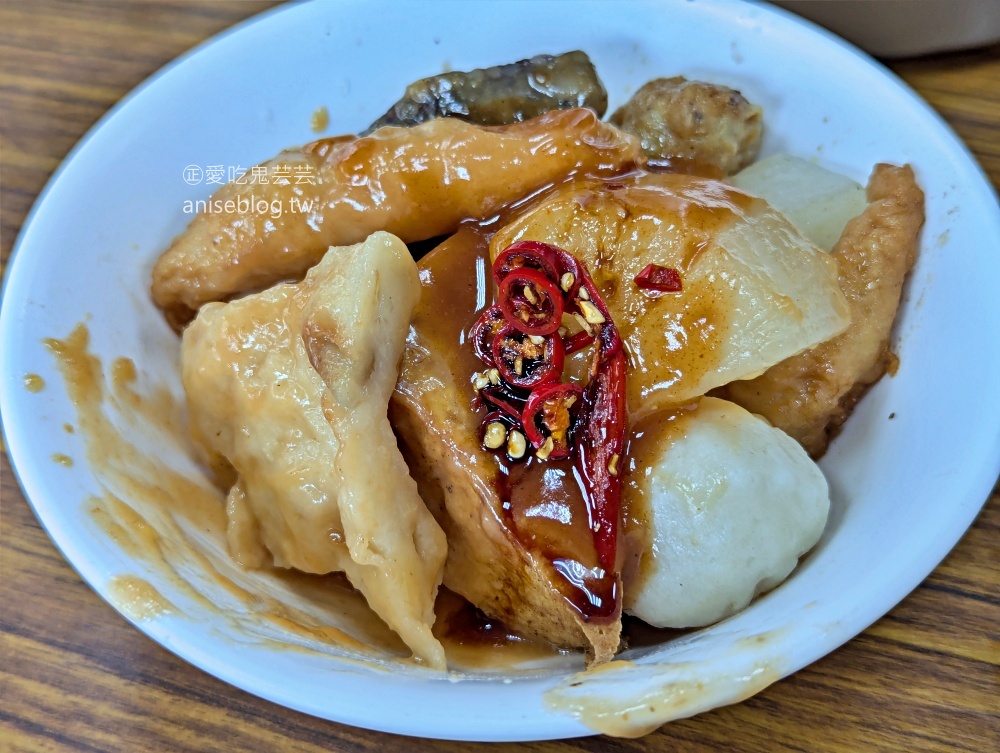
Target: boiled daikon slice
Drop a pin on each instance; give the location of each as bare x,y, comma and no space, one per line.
755,291
818,202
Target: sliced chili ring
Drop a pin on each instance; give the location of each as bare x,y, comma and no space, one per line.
489,323
551,413
524,363
659,278
531,301
526,254
504,400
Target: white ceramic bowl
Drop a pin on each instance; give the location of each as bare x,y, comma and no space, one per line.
904,490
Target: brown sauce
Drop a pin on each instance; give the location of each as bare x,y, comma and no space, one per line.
474,641
320,120
137,598
541,502
33,383
645,445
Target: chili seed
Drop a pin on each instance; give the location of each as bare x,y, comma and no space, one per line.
584,324
495,436
591,313
566,281
613,465
516,444
546,449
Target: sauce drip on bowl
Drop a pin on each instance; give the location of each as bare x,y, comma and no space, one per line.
169,519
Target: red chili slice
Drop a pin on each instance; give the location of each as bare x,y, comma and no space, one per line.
504,400
526,364
551,412
566,262
659,278
530,254
531,301
489,323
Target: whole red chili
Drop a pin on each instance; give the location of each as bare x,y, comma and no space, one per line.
600,446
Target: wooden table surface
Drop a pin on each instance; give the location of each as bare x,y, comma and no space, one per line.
75,676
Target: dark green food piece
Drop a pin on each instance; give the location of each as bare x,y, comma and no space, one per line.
503,94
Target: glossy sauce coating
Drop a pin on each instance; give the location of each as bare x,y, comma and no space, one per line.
541,500
474,641
415,183
647,439
619,226
33,383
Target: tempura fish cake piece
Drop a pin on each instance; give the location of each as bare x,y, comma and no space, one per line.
754,290
322,487
810,395
416,183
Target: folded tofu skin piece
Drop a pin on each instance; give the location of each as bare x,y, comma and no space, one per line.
310,493
519,538
730,504
754,290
